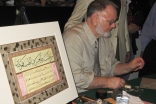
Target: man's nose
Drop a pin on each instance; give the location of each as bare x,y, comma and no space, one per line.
113,25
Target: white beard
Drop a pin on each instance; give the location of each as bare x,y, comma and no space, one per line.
100,31
107,35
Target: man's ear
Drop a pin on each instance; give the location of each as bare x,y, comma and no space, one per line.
95,18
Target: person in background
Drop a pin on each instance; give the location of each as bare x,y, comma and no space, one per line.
90,52
120,35
136,18
148,42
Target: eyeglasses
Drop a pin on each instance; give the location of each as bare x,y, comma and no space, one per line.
110,22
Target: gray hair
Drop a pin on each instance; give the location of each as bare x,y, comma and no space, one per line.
99,5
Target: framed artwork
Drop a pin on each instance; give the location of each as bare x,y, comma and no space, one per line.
34,65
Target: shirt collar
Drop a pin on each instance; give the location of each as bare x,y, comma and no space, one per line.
89,33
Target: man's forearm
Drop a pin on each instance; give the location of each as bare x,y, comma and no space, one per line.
122,68
98,82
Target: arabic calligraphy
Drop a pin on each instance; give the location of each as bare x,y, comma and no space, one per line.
32,60
37,78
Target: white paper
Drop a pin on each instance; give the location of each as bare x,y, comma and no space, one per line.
133,99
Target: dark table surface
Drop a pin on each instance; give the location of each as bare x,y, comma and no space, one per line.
148,95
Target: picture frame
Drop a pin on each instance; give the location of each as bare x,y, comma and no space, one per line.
34,65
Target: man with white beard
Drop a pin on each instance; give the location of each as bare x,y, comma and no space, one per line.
81,46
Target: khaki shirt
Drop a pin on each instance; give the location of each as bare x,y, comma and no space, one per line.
80,42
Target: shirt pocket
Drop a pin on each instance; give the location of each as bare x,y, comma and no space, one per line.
108,63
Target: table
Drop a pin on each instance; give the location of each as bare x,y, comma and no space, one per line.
148,95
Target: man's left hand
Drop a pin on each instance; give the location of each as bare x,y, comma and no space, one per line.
136,64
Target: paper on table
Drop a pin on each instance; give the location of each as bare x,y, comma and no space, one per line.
148,83
133,99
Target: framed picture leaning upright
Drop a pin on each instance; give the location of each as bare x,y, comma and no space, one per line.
34,65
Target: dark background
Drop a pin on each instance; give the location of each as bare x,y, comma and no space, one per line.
36,14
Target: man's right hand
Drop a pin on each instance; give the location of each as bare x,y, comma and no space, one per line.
115,82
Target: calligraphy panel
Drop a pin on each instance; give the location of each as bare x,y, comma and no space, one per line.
34,69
